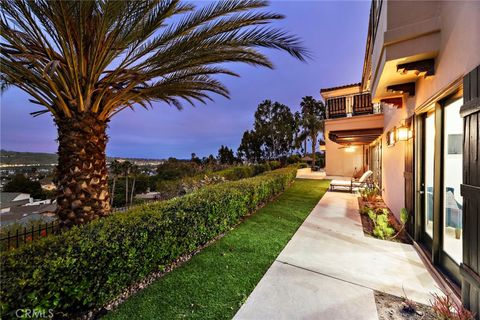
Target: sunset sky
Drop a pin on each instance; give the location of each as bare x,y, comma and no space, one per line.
335,32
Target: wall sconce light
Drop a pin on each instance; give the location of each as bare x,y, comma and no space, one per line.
350,149
402,133
391,137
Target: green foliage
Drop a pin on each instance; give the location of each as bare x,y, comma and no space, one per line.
174,169
382,228
174,188
226,156
273,135
369,194
294,158
20,183
404,215
87,266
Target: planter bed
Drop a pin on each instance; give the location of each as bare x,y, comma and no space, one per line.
367,224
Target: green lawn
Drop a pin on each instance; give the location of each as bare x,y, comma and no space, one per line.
217,281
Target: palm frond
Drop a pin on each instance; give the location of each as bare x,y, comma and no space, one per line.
106,56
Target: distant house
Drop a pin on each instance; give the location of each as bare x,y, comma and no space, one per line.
9,200
29,213
47,184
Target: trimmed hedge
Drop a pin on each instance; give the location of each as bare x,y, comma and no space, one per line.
88,266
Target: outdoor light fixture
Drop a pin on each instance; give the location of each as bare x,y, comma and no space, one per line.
350,149
402,133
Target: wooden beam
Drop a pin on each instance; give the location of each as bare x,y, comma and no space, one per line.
407,88
422,67
396,102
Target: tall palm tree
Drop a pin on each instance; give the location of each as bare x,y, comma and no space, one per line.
85,61
116,170
313,116
134,171
126,167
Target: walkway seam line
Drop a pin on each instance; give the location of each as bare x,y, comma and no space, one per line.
326,275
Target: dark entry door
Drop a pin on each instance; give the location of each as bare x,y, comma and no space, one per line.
470,268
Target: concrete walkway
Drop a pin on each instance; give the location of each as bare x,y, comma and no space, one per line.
329,270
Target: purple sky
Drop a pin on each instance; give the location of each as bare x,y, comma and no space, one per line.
335,32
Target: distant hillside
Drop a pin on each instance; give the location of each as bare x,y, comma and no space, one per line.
14,157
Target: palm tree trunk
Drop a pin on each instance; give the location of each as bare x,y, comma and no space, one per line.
133,189
126,189
314,146
305,147
113,190
82,175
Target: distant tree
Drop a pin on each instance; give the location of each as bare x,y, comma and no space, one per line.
226,156
301,136
313,116
20,183
209,161
134,171
275,128
174,169
195,159
126,166
116,170
250,148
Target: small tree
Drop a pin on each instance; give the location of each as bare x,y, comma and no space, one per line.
250,148
225,155
134,171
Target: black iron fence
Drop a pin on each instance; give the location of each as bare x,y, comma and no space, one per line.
12,239
16,237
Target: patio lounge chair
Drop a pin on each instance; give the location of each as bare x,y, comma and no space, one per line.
353,184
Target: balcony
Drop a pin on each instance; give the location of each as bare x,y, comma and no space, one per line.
352,105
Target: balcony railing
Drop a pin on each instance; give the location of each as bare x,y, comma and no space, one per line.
350,105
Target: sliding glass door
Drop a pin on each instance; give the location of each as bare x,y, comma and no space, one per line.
441,202
452,179
429,166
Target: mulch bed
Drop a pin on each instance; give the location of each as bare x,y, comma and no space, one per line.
367,223
391,307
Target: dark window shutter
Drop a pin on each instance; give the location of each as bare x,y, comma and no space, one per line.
470,268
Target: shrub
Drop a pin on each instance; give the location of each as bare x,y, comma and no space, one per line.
274,164
88,266
302,165
382,228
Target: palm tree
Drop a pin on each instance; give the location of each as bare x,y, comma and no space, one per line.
313,116
134,171
85,61
116,170
126,167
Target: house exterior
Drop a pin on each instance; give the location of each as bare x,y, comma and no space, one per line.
422,70
352,123
9,200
